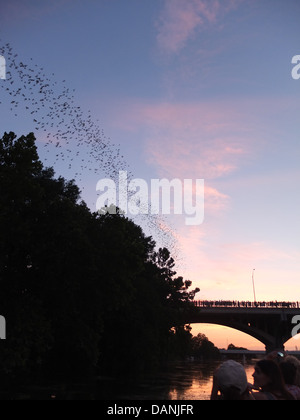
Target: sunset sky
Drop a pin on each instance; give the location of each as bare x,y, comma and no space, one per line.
187,89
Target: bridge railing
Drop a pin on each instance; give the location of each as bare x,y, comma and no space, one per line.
245,304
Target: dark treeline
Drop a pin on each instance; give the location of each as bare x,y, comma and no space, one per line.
82,293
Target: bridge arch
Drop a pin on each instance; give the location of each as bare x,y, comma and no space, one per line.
271,326
294,341
222,336
266,339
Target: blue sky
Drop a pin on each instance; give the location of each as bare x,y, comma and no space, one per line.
187,89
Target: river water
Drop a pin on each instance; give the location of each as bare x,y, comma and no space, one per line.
181,381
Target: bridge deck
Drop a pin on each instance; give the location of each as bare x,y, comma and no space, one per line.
254,311
246,305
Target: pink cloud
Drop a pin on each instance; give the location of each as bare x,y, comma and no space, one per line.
180,19
199,140
176,25
215,141
195,141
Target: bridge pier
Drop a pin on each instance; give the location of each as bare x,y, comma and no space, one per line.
274,347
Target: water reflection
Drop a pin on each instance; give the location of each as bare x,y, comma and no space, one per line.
201,377
182,381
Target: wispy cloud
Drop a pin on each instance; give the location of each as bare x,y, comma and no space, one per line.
214,140
181,19
195,141
203,140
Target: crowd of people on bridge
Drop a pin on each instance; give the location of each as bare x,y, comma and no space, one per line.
277,377
245,304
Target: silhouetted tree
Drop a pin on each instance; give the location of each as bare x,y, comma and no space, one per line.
46,270
203,348
79,290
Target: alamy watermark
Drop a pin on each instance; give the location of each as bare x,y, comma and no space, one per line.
296,69
296,329
2,68
161,196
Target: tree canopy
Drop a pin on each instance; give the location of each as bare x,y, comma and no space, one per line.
80,291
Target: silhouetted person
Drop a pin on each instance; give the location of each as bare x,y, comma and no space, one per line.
289,373
268,379
230,380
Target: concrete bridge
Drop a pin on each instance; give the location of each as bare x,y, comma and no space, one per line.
269,322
